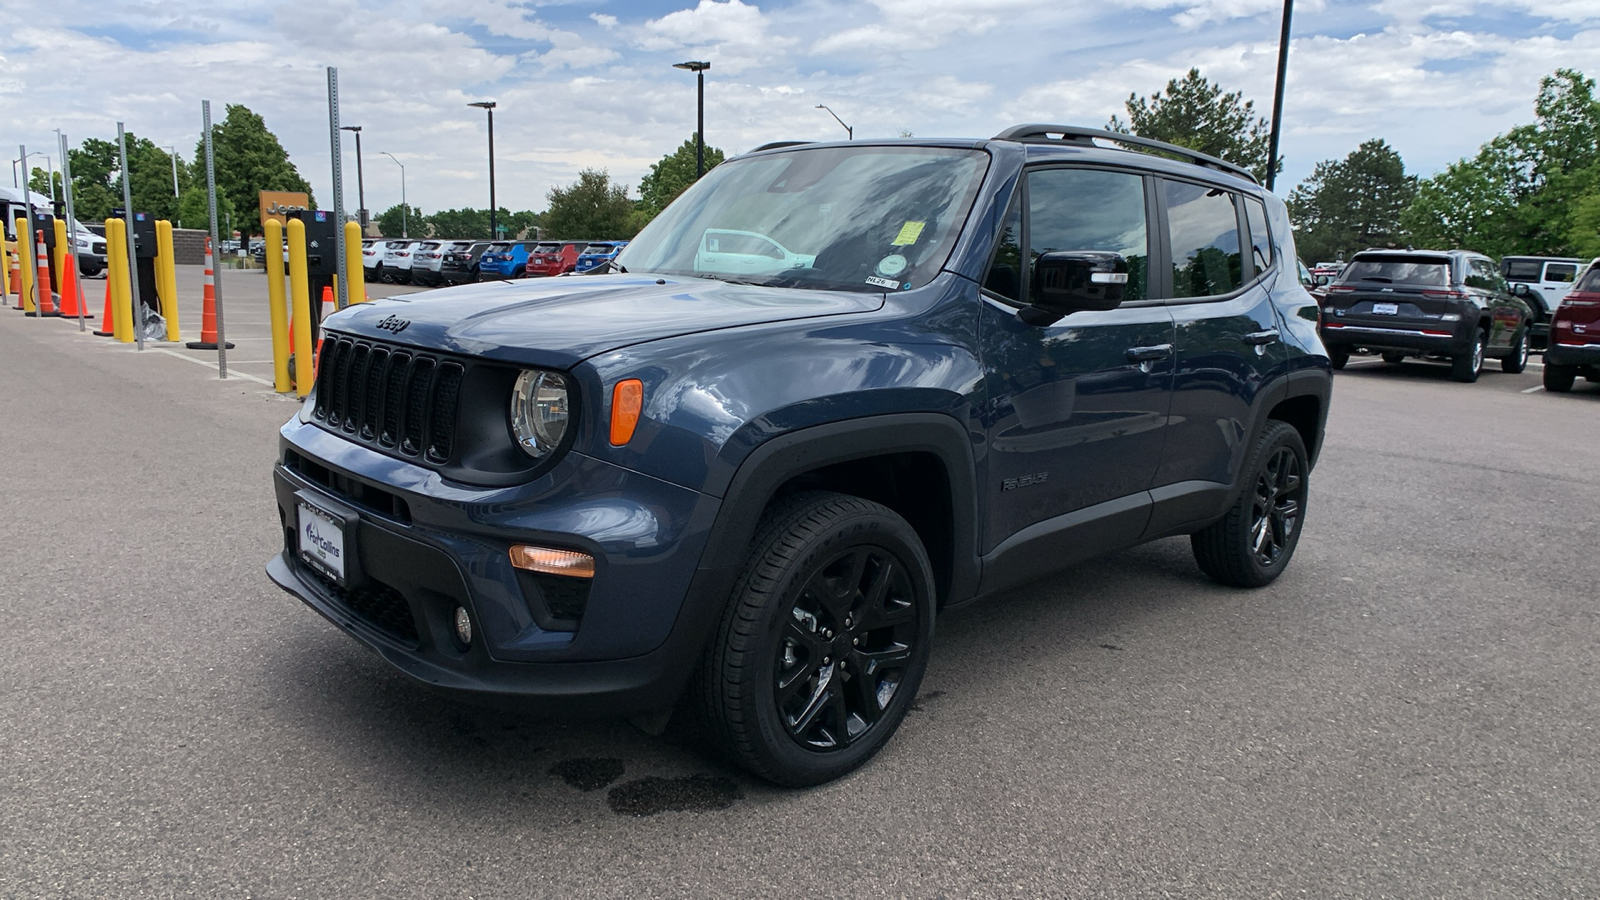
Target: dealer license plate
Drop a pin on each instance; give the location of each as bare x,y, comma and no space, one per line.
1386,309
322,542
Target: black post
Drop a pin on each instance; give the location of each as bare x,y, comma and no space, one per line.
700,126
361,185
493,235
1277,96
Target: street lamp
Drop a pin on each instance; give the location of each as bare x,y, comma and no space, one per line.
173,155
404,229
361,189
850,133
14,182
1277,94
699,70
488,107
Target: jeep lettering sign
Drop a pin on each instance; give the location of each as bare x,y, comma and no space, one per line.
278,204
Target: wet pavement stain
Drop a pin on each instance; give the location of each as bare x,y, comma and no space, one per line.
1109,647
689,793
588,774
925,697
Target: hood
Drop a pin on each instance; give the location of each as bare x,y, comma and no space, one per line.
558,322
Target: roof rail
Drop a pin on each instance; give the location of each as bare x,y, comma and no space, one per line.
776,144
1045,133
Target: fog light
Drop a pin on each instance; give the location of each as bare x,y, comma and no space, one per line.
463,626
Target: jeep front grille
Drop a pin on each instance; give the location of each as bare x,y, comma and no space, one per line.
402,401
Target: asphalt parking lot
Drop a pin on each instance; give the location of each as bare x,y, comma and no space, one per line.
1409,712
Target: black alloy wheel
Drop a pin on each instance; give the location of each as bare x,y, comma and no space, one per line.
1251,545
846,648
1466,366
1559,379
824,641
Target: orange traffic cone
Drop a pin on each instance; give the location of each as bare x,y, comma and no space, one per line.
47,302
70,292
208,310
106,322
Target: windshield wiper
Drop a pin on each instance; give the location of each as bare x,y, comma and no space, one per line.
607,266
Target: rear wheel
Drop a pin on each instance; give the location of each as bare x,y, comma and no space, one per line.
1464,367
1558,379
1518,360
824,640
1251,545
1338,356
1393,357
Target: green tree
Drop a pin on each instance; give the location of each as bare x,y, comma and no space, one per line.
1519,194
1351,204
590,208
399,221
1195,113
249,159
468,222
194,210
44,182
672,175
97,178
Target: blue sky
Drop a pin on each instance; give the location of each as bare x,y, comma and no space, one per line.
590,84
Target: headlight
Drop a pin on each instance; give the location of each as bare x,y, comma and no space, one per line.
539,412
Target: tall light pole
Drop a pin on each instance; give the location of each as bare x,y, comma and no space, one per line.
849,133
361,186
24,160
173,155
488,107
699,70
404,229
1277,96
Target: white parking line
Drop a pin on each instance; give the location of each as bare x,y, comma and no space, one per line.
1535,389
211,364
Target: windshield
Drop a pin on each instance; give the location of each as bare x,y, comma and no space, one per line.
1399,270
849,218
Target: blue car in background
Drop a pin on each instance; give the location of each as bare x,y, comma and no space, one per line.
504,259
597,253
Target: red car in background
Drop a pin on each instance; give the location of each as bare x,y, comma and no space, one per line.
550,258
1574,347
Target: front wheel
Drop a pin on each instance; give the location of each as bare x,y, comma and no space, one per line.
1251,545
1518,360
824,640
1464,367
1559,379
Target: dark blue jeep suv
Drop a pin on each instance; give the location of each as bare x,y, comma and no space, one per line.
832,390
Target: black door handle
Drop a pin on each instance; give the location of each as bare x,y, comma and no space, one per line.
1270,336
1149,354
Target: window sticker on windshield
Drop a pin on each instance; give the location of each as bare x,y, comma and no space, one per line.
889,283
908,235
892,265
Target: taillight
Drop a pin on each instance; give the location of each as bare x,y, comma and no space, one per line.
1445,295
1340,289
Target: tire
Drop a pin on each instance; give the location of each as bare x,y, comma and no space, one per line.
780,688
1559,379
1338,356
1465,367
1393,357
1251,545
1518,360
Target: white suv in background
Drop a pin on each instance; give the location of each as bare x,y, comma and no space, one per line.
371,258
397,261
427,259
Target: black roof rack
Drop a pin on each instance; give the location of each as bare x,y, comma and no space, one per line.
1048,133
776,144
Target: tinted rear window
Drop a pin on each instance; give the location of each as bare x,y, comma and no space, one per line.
598,248
547,248
1399,270
1590,282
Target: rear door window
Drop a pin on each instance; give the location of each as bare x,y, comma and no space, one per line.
1203,230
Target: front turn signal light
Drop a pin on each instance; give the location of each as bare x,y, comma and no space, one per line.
549,561
627,399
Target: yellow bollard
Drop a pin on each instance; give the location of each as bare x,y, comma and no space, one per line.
61,260
353,270
26,289
5,267
121,287
300,298
277,309
167,278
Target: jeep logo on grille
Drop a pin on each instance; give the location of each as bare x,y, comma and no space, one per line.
394,324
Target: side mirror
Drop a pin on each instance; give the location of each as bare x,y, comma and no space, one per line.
1521,290
1069,281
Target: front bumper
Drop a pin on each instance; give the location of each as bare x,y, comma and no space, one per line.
1559,354
420,547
